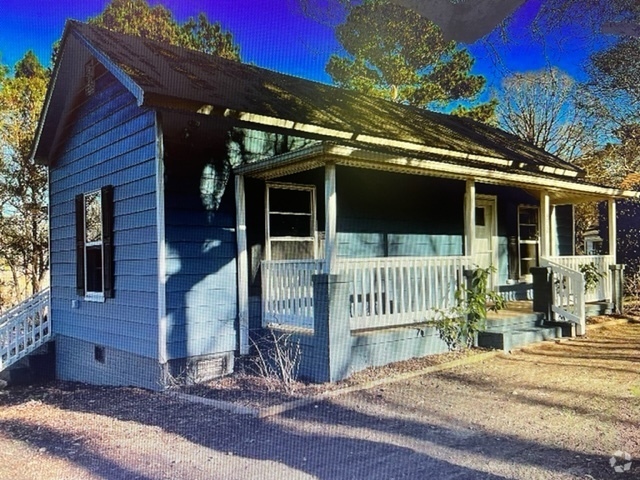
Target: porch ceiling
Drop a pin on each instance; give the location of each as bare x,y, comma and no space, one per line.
561,190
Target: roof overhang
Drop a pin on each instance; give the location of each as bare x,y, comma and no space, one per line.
561,190
253,120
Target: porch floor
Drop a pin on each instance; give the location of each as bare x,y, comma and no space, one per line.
515,307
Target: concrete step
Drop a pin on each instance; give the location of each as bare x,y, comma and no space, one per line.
509,339
598,308
503,322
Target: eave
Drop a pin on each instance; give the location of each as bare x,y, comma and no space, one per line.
561,190
252,120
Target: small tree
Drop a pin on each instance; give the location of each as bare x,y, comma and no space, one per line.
459,326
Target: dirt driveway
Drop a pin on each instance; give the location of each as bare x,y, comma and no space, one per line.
558,411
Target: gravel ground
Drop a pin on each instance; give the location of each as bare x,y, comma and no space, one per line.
557,411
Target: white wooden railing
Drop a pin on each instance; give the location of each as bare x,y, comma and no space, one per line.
401,290
287,291
384,292
604,287
567,294
24,328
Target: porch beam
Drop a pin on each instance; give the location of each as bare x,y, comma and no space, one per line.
243,267
613,237
469,217
545,230
330,220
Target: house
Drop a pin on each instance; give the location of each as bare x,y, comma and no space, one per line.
194,199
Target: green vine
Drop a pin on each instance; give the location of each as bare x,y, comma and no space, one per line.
591,275
458,327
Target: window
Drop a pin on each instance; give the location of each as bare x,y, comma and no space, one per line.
291,222
94,244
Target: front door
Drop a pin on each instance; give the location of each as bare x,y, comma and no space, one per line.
486,248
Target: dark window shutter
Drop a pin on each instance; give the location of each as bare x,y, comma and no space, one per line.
80,244
107,241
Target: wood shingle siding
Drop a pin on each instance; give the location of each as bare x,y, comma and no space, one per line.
110,141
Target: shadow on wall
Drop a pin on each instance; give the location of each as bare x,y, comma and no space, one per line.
201,250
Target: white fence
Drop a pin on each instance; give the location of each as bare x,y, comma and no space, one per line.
603,289
24,328
567,294
383,291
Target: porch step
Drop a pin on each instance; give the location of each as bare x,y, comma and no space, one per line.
509,339
504,321
593,309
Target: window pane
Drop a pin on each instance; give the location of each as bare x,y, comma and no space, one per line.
94,268
296,201
93,217
480,221
290,225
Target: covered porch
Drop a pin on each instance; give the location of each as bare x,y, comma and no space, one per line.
396,275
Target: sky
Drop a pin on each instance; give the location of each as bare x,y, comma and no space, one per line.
275,35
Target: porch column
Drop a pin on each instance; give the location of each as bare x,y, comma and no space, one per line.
330,217
553,231
243,270
612,228
545,230
469,218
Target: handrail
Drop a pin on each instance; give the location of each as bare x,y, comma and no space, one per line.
567,294
24,328
602,291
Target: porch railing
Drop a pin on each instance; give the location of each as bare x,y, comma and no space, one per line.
401,290
24,328
603,289
567,294
287,291
383,292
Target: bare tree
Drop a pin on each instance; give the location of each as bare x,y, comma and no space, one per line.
543,107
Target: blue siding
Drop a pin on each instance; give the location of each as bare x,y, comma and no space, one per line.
564,230
390,214
387,214
111,142
201,287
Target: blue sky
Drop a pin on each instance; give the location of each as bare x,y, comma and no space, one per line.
275,35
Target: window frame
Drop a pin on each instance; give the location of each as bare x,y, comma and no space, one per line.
83,270
313,227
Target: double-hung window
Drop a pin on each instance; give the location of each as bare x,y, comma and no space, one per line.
94,244
291,222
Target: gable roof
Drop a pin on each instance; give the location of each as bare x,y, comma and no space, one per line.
164,76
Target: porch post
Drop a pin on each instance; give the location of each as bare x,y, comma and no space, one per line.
553,231
544,225
612,228
243,270
330,217
469,218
